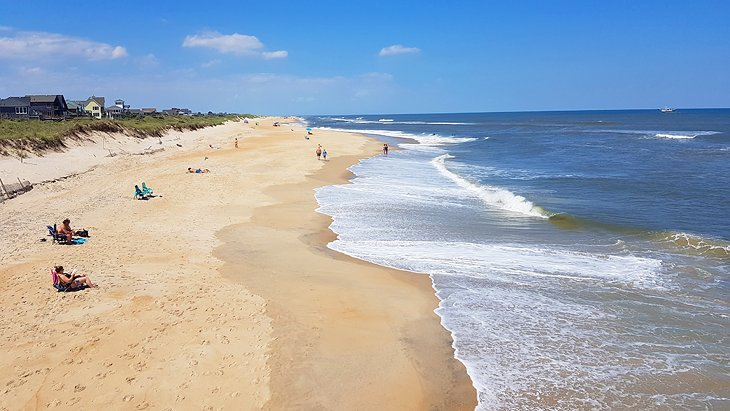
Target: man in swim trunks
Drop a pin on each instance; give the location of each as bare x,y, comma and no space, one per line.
319,152
385,149
66,230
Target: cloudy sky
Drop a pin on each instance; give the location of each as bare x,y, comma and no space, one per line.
328,57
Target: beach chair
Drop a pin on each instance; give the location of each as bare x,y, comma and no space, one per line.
57,238
146,190
139,194
57,284
61,287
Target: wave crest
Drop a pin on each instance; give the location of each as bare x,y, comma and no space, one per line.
493,196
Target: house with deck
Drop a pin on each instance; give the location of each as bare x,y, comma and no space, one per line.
94,106
44,107
118,110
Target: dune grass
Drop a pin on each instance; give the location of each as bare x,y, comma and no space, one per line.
37,135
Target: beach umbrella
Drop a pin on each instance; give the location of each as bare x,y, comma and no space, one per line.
309,128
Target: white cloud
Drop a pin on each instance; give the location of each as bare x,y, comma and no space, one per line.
211,63
6,28
29,45
238,44
148,61
279,54
397,49
225,43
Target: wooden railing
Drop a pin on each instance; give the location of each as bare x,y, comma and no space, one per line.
9,190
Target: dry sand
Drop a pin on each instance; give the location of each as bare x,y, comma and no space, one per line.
218,294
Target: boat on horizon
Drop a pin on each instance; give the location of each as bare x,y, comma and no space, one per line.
666,110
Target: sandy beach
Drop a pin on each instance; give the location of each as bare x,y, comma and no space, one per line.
219,293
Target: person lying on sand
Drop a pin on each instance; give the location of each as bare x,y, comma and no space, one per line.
72,280
66,230
198,170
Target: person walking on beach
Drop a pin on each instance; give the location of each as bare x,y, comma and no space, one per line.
318,151
324,154
385,149
236,143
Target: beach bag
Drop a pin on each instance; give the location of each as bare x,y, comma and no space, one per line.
82,233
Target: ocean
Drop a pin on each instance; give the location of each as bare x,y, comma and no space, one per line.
581,259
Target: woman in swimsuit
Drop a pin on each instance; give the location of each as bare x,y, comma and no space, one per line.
73,281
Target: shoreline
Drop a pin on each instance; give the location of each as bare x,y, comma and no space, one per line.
427,377
168,328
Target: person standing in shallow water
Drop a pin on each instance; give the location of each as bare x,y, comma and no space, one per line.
318,151
385,149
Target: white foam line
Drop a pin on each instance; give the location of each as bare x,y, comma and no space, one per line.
426,140
493,196
674,136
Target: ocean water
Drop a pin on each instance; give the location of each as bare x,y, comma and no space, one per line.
581,259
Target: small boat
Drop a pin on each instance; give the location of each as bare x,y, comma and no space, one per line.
666,110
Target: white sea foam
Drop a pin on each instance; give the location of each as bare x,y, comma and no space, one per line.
675,136
438,140
434,123
361,120
493,196
511,337
422,139
504,262
661,134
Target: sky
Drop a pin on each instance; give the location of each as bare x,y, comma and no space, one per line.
336,57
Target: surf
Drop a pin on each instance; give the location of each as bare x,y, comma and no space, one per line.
492,196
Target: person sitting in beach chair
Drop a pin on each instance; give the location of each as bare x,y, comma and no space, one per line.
64,282
66,230
139,194
146,190
57,238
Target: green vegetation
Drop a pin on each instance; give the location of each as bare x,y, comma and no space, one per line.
38,136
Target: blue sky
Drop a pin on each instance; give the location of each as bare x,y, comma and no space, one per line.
327,57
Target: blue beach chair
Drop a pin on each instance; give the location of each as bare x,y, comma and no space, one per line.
146,190
139,194
57,238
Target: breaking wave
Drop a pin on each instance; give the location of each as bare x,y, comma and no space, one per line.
492,196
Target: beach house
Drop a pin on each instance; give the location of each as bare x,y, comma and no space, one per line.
119,109
177,111
15,107
94,106
34,106
76,108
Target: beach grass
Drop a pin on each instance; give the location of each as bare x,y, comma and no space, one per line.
37,135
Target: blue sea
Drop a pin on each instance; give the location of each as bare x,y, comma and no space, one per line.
581,259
